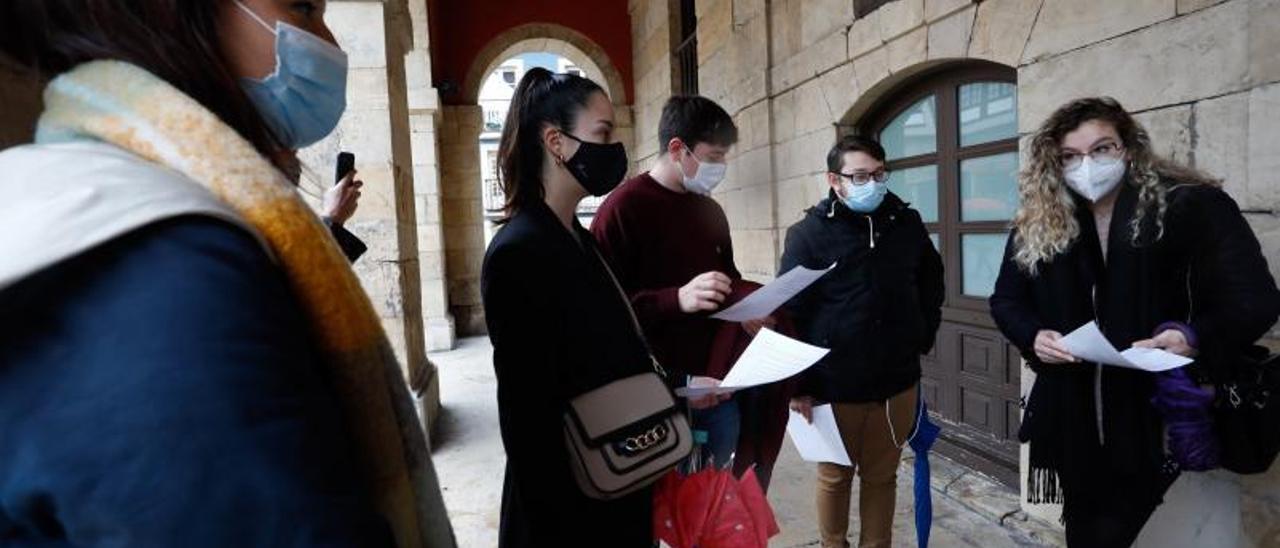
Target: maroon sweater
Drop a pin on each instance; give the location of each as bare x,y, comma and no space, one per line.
657,240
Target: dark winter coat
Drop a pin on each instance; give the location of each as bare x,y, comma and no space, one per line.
560,327
878,310
1207,270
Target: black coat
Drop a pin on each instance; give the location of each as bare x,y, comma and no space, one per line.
1207,256
352,246
878,310
559,328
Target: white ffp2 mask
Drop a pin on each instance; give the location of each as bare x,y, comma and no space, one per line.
1095,179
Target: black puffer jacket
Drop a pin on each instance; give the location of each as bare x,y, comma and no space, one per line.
878,310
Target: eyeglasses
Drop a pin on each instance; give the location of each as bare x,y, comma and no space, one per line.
1106,152
861,177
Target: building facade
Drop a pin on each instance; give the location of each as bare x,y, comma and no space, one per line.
953,88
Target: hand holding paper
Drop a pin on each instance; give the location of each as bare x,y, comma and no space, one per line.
762,302
770,357
1089,344
819,441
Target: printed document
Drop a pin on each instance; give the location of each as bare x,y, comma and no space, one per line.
770,357
1089,344
765,300
819,441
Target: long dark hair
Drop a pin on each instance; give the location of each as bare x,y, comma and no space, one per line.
175,40
542,98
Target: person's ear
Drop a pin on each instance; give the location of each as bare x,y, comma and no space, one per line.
833,181
674,146
553,141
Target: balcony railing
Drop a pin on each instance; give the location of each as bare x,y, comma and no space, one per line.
493,199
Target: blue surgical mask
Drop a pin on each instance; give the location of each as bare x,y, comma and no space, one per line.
863,198
303,99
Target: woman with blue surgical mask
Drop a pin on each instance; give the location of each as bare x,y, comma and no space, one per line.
221,377
301,97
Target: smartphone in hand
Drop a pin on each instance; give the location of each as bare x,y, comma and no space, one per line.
346,164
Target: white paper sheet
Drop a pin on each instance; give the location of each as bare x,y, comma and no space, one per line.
770,357
819,441
762,302
1089,344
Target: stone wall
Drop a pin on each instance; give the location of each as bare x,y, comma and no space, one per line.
1203,75
651,30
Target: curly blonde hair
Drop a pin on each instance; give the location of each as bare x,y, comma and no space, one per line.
1045,224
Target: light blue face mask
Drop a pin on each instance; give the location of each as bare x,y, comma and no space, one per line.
864,198
303,99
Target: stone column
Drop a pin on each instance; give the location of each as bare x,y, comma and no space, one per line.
424,119
461,207
375,127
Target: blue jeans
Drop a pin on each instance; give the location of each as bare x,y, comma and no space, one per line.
721,423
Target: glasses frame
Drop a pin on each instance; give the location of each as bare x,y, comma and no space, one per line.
1096,153
881,176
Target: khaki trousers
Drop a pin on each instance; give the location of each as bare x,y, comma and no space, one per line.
874,449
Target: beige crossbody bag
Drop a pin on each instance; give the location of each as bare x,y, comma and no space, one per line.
627,434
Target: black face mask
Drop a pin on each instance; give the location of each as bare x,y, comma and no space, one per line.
598,168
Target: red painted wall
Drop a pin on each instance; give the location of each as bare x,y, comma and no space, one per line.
461,28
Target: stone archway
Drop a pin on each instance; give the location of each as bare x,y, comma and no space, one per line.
461,125
872,97
541,37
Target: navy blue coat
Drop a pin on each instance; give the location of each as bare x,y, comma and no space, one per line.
163,390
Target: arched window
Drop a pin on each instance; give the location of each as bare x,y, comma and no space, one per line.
951,136
952,146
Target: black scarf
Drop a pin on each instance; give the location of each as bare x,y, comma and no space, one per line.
1071,462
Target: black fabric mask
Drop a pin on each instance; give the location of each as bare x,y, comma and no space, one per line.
598,168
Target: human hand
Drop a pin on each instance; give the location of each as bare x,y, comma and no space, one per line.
341,200
706,292
709,400
1169,340
1049,348
804,406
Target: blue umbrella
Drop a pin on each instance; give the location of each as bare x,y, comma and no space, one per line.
922,439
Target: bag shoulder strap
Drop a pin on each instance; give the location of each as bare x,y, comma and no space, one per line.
635,320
